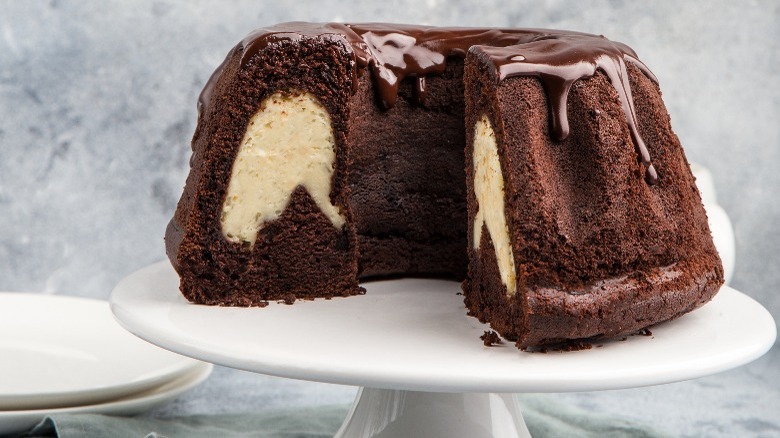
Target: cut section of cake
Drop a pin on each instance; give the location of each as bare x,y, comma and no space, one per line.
265,212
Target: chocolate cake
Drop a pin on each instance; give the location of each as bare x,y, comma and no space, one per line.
537,166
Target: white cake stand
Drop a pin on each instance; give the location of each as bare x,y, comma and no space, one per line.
418,357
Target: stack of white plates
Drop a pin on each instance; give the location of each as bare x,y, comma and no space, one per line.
63,354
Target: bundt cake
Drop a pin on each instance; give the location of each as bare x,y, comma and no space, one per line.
537,166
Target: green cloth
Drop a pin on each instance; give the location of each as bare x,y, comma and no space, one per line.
544,416
319,422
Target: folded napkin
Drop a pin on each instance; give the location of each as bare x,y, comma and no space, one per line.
544,416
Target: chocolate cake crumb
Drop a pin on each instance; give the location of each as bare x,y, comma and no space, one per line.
645,332
244,302
490,338
361,291
575,345
287,299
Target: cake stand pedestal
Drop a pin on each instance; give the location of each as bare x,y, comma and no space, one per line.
399,413
418,358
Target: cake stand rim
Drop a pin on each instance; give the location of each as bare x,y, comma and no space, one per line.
147,308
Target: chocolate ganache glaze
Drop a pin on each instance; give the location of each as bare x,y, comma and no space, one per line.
559,61
393,52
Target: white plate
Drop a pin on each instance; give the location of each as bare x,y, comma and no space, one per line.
64,351
414,334
19,421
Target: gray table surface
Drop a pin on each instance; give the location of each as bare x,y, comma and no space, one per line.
97,107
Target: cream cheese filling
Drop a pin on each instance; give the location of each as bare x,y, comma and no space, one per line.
489,191
288,143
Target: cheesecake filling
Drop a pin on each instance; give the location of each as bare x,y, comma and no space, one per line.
289,142
489,191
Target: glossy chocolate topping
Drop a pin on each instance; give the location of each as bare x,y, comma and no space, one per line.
559,61
393,52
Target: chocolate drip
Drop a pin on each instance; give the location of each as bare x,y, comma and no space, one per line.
559,61
393,52
205,95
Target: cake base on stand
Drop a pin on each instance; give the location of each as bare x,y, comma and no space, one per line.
418,356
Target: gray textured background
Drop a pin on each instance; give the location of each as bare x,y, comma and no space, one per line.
97,107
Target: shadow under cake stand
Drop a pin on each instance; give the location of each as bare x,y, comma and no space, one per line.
418,357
